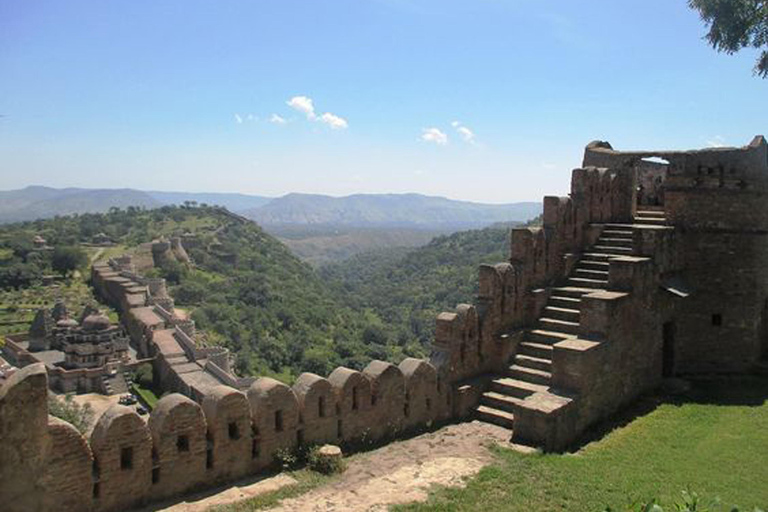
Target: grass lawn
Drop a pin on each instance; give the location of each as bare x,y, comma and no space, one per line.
147,395
714,441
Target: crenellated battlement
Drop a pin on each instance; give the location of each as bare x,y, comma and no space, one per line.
125,460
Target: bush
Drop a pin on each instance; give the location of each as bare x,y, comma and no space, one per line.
324,465
68,410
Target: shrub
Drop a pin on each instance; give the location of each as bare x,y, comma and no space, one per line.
324,465
68,410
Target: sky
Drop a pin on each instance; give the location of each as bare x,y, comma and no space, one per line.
480,100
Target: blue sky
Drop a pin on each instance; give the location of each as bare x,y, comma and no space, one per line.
485,100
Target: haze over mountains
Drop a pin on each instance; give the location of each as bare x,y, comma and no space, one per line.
360,210
388,210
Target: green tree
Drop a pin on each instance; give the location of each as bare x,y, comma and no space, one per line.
736,24
67,259
80,416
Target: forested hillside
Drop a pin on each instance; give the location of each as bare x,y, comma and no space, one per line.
405,289
245,289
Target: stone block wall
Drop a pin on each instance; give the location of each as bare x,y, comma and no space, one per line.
126,461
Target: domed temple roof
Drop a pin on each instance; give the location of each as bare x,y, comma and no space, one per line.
96,322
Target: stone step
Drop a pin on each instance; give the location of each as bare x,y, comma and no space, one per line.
593,265
582,282
495,416
537,363
655,221
572,291
588,273
596,256
555,325
567,314
515,387
529,348
500,401
530,375
617,233
651,213
564,302
614,242
615,251
547,337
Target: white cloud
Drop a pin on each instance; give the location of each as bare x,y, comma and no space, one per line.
238,119
434,135
334,121
304,105
466,134
276,119
252,117
716,142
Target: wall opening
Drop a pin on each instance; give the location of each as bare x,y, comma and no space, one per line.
126,458
668,349
278,421
155,475
429,404
354,398
208,450
651,174
255,449
321,407
717,320
182,443
339,432
96,490
233,431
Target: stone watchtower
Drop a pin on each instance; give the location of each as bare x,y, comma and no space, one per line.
717,201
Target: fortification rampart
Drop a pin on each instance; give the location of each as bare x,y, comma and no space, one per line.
125,461
589,311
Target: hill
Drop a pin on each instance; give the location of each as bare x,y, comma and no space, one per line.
323,244
231,201
405,289
36,202
245,290
388,210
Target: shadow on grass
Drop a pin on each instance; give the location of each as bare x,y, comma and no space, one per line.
724,390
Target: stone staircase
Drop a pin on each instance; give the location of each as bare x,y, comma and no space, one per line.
531,368
115,384
654,217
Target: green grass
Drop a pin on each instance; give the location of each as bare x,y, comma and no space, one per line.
714,443
306,480
146,395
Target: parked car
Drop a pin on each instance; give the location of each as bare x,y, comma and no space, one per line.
141,410
127,400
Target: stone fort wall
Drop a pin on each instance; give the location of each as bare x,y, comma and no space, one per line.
708,255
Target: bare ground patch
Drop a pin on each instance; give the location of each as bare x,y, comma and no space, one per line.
404,471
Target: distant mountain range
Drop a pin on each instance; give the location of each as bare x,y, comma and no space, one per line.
388,210
33,203
360,210
36,202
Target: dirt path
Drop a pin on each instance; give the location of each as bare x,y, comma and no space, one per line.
404,471
399,472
